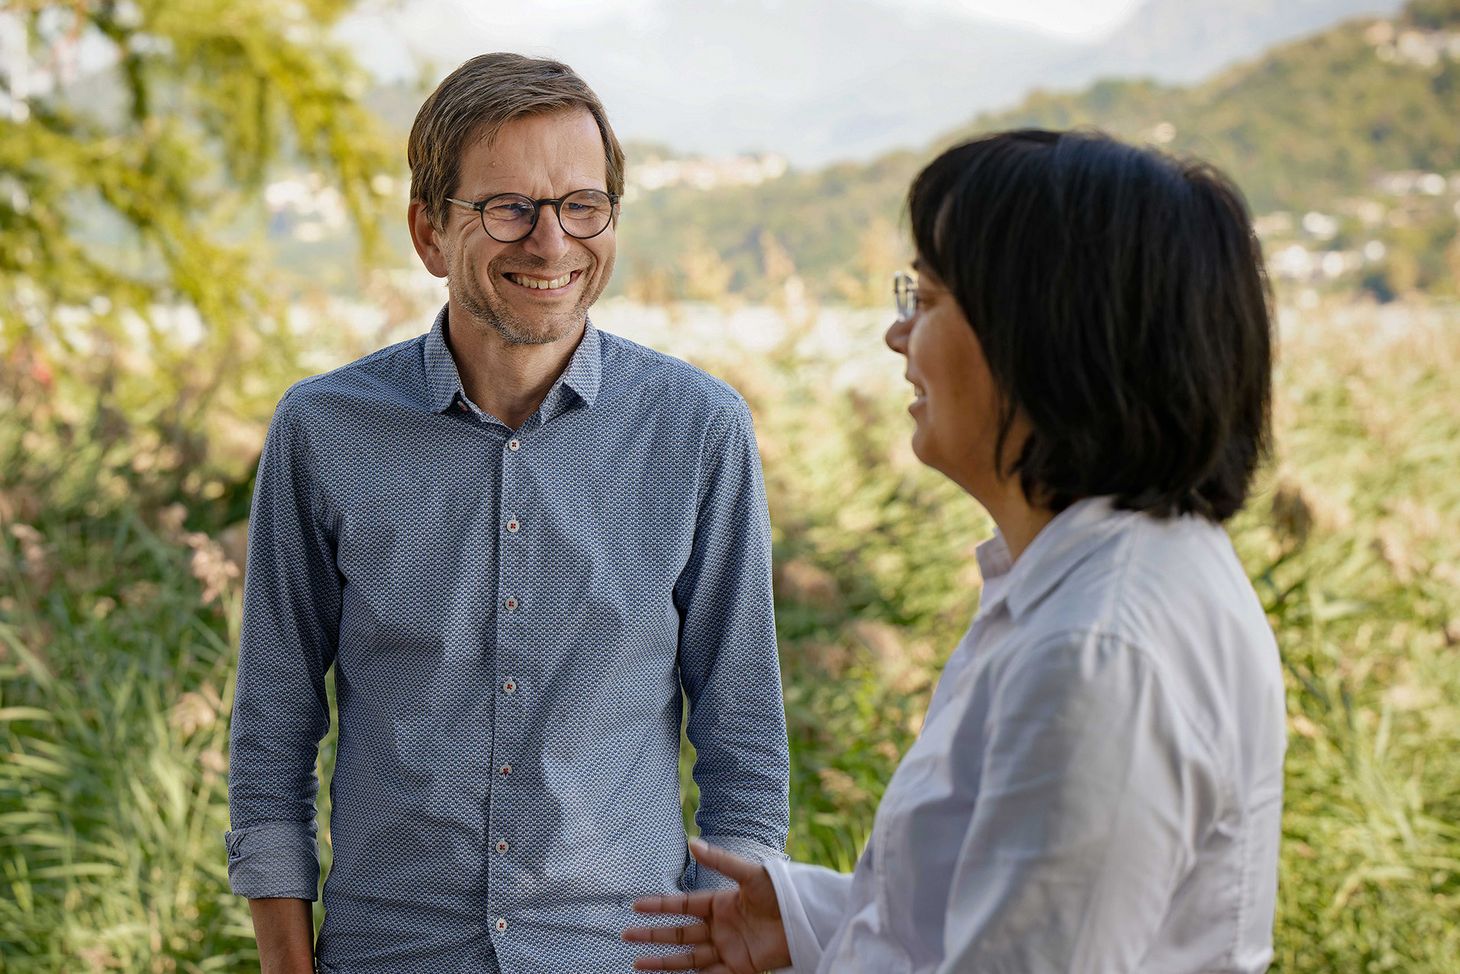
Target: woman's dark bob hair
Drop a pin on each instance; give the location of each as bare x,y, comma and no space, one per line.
1120,300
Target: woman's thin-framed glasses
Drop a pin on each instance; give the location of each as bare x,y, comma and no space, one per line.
510,217
905,293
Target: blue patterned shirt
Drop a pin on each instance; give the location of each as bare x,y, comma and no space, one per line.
513,617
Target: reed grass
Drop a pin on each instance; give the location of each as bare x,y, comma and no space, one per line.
118,626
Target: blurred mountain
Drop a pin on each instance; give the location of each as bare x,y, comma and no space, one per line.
1347,137
818,81
809,79
1186,40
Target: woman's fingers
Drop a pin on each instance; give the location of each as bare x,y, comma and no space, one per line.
701,956
725,863
696,933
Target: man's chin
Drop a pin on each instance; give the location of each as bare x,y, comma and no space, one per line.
517,330
520,329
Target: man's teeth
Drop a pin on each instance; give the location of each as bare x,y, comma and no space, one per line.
539,284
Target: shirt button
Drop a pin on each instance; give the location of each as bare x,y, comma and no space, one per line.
502,847
511,603
501,925
514,445
509,687
506,770
512,525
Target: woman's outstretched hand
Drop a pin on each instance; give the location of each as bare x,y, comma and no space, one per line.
741,932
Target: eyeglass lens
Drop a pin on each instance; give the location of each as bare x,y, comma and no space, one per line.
905,292
510,217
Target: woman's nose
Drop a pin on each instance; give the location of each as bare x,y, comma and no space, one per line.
896,336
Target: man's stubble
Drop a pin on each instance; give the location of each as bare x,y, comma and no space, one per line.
487,311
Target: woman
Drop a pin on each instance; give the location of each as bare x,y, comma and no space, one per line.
1097,785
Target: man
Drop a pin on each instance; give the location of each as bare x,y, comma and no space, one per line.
517,539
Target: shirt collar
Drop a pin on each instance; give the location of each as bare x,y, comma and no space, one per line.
443,382
583,375
1055,551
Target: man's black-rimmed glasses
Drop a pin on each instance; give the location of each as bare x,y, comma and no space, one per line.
510,217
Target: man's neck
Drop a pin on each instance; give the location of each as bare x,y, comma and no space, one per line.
507,380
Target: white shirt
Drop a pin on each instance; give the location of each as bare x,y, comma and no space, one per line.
1098,782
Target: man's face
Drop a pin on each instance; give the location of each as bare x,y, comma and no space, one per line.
539,156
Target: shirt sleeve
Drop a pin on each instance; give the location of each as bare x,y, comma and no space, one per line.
814,902
291,610
727,655
1093,794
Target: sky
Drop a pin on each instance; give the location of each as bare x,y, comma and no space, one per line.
1079,20
1076,19
395,34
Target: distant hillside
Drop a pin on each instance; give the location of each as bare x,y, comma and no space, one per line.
1181,41
1314,119
1314,124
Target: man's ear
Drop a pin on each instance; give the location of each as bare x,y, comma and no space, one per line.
426,238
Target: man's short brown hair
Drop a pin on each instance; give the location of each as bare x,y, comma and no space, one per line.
473,102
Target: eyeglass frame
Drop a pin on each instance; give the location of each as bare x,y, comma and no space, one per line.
480,206
905,295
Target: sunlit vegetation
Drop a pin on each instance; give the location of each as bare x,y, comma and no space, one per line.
118,624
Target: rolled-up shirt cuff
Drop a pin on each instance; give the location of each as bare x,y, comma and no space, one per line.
274,859
800,936
703,877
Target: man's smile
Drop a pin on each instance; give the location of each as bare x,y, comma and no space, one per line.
537,283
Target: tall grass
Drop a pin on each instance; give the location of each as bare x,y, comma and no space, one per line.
118,624
1359,563
114,677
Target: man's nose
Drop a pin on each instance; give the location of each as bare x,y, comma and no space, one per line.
547,239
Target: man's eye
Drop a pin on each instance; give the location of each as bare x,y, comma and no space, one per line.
509,211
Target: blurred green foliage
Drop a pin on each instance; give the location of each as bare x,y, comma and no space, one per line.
130,222
1360,570
143,341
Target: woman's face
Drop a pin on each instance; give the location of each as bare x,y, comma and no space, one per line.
956,408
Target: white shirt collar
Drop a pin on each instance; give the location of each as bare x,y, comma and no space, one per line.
1061,545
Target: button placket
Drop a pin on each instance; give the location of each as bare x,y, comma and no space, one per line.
511,579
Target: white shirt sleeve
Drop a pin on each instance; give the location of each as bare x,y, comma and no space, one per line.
814,902
1093,795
